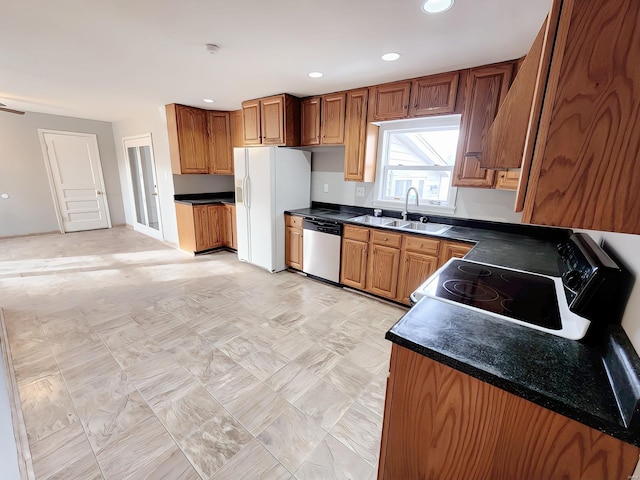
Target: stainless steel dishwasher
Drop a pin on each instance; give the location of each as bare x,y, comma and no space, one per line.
321,249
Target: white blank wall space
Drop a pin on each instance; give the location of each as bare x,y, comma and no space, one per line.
30,208
8,453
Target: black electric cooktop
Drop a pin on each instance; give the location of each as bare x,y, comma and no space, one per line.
523,296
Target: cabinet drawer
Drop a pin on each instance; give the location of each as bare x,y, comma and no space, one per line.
293,221
379,237
422,245
356,233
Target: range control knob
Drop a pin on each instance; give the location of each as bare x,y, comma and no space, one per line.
573,279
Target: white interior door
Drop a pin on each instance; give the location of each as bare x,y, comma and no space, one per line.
143,185
73,162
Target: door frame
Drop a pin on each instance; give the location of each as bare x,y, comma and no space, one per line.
147,230
52,186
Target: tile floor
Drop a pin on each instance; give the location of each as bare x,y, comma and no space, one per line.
135,360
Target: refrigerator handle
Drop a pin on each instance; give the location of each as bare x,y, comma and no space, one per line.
247,193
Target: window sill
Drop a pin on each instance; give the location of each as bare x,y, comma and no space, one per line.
429,209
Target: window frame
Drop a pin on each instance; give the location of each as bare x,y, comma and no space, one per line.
411,125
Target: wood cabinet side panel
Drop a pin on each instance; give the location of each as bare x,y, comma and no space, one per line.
234,231
588,173
441,423
186,227
174,141
291,121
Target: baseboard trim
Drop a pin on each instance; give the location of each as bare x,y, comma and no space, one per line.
9,237
25,463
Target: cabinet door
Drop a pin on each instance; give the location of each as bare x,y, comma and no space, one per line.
236,128
251,122
390,101
191,126
353,271
214,212
382,274
450,250
486,88
272,121
310,121
585,171
220,150
359,154
415,268
434,95
333,109
293,247
508,179
202,222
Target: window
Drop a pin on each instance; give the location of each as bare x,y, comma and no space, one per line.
419,154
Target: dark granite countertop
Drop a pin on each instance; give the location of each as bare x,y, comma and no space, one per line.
226,198
565,376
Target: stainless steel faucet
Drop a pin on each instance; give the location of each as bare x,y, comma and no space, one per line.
406,202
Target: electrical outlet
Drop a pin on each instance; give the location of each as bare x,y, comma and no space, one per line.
359,191
325,188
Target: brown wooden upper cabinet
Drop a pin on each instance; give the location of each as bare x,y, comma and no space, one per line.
188,139
586,168
322,120
220,148
236,128
272,121
420,97
389,101
360,139
434,95
199,140
485,90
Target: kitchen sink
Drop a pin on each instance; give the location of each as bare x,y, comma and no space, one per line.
370,220
435,228
389,222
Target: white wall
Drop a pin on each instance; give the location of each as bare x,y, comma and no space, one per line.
23,176
328,168
202,183
154,121
8,452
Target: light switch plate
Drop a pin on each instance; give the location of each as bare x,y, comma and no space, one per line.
325,188
359,191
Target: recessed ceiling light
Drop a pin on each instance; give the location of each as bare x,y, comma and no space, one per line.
437,6
316,74
207,100
390,57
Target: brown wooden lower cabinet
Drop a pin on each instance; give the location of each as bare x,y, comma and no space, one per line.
293,241
204,227
229,234
390,264
443,424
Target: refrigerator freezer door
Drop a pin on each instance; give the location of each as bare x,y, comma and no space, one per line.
242,212
259,193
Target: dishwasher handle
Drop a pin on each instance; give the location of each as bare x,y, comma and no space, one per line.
323,226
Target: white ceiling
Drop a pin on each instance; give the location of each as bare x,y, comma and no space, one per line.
108,59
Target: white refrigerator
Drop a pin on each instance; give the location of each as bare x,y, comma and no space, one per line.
268,181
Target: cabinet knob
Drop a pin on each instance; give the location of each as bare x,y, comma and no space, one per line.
406,106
